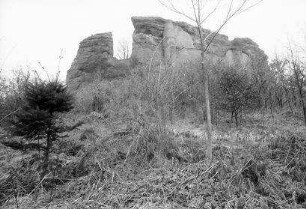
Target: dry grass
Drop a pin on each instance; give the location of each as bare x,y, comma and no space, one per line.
132,152
251,175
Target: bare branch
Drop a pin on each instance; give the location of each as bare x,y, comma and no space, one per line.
176,10
229,16
195,11
2,119
251,6
210,13
123,51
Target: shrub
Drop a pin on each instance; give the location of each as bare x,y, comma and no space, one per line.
22,179
11,94
37,120
236,92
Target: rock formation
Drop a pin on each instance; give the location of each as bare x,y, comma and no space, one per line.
156,40
95,61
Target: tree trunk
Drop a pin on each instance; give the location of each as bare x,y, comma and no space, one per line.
208,117
46,157
207,98
304,110
288,99
302,103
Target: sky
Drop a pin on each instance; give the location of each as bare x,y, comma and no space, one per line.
40,31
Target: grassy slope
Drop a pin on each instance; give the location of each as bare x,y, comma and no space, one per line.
261,148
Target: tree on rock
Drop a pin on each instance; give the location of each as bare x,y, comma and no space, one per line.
37,121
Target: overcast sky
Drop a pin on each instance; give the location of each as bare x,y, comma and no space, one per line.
33,31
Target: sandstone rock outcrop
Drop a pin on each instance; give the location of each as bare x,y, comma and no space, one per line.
95,61
156,40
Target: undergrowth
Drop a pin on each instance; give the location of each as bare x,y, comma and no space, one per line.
145,175
125,155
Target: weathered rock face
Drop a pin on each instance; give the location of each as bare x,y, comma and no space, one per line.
156,40
94,62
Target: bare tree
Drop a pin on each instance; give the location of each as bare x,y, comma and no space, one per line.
199,13
278,83
298,67
123,51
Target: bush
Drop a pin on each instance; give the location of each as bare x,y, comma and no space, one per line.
22,178
93,98
236,92
37,118
11,94
153,146
166,91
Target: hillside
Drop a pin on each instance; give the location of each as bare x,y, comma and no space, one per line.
257,165
134,132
